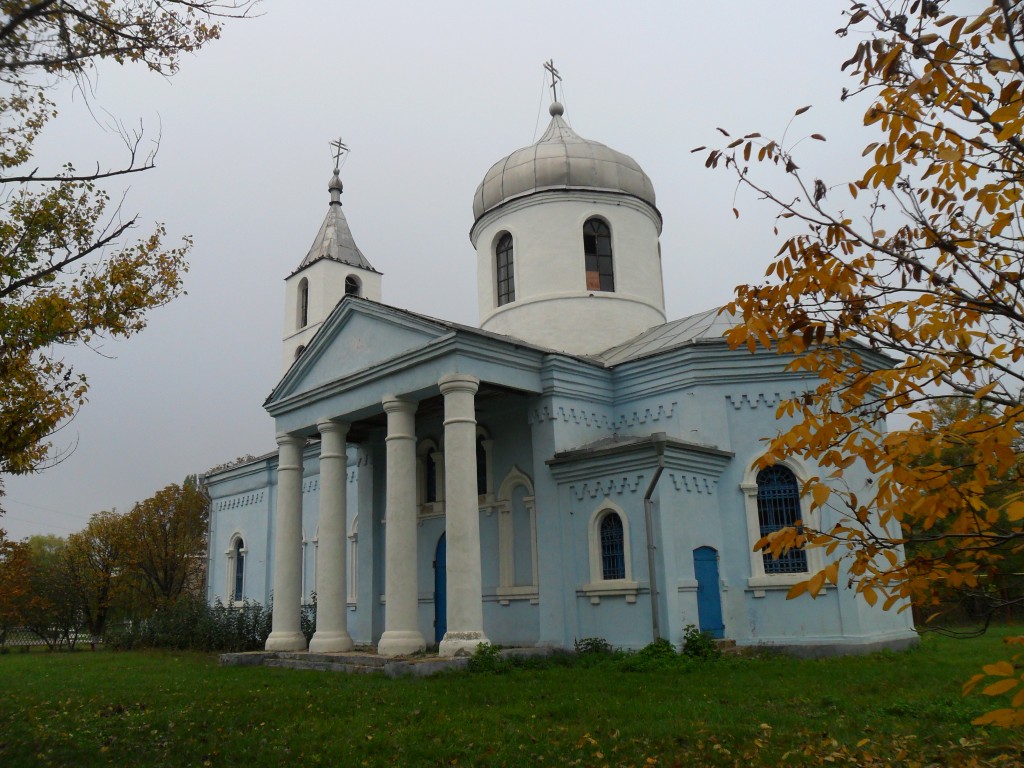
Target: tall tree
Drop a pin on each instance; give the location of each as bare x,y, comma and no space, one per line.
98,569
15,584
54,612
68,271
919,258
167,542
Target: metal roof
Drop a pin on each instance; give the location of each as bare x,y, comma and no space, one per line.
334,240
561,159
705,326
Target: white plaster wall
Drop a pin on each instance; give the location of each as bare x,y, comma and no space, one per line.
553,307
326,288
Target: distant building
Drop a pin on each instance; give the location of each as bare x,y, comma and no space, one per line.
574,467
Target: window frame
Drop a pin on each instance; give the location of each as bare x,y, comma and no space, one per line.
430,451
599,586
599,268
508,589
504,273
759,579
302,304
355,281
236,546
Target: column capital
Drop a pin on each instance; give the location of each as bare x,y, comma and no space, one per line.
331,425
287,438
394,404
458,382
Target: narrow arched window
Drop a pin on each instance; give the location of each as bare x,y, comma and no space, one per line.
236,591
778,506
597,250
430,478
299,350
506,270
352,285
613,554
303,307
481,465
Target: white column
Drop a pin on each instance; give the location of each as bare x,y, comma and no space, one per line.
401,622
465,604
286,634
331,634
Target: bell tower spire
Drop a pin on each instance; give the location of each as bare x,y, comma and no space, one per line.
333,268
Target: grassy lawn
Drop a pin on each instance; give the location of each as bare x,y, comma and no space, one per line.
150,708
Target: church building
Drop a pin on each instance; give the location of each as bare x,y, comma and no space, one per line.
575,467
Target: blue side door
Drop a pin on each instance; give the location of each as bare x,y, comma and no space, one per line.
709,598
440,590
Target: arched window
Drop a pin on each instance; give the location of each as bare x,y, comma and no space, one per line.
778,506
238,552
352,286
303,306
505,270
299,350
517,538
613,553
611,567
430,478
597,251
481,465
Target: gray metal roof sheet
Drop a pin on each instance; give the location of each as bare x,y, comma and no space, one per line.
705,326
561,159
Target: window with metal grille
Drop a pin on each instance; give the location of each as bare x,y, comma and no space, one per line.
506,270
236,593
778,506
613,555
597,251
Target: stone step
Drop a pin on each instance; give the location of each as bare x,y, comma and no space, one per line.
323,666
349,657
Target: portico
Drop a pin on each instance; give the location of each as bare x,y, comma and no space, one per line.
402,634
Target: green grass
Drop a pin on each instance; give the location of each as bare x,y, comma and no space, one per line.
180,709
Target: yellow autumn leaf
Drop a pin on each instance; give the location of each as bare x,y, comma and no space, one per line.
999,688
999,669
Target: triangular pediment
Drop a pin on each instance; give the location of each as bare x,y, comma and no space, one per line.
357,336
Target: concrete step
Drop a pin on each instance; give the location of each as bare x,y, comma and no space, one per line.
324,666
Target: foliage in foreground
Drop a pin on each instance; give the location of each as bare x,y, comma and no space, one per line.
902,285
67,271
181,709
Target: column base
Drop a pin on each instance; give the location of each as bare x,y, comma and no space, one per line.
461,643
286,641
400,642
337,641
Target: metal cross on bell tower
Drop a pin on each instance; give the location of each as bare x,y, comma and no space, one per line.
549,65
339,150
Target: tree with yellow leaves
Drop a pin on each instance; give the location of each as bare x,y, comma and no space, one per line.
920,258
67,270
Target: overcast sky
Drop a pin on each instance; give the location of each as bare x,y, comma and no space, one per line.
427,96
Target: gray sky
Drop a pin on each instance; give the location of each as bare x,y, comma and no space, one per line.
427,96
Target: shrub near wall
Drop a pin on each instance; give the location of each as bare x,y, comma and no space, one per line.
193,624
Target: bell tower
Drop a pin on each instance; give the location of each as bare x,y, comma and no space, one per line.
333,268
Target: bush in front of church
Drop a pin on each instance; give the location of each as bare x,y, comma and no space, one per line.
193,624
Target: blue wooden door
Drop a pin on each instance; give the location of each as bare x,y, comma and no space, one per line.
709,598
440,591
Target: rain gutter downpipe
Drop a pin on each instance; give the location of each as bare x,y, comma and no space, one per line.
659,439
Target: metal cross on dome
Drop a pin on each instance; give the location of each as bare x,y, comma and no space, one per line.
339,149
549,65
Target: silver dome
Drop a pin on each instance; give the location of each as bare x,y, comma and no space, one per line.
561,159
